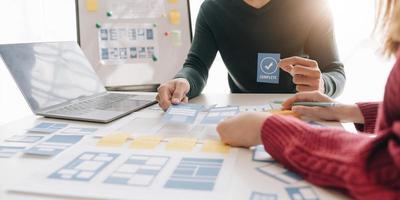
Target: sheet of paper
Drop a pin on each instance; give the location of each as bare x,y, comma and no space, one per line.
146,142
279,173
47,127
212,146
138,171
257,108
201,174
91,5
260,155
303,192
90,172
113,140
54,145
136,9
79,130
84,167
182,113
121,43
9,151
174,17
181,144
218,114
24,138
263,196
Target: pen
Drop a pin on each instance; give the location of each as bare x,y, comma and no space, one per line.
310,103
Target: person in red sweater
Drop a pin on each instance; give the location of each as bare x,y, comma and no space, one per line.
366,165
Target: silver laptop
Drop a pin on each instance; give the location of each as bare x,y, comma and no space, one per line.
57,81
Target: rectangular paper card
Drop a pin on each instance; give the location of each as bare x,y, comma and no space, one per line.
46,127
8,151
182,113
218,114
24,138
267,68
54,145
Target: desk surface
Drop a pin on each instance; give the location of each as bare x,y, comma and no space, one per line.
244,179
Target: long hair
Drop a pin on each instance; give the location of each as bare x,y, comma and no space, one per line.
388,23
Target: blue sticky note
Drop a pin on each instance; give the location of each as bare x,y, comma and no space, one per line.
267,68
182,113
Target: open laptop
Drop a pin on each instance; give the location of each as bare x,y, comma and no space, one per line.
58,81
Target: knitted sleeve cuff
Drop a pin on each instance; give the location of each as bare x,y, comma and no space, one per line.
369,111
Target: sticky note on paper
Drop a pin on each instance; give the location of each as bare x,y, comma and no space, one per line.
181,144
174,17
113,140
146,142
212,146
91,5
173,1
267,68
176,38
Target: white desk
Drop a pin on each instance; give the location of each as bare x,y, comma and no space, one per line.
244,180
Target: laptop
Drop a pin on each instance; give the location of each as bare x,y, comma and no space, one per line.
57,81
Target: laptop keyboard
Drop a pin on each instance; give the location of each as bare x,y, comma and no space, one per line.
104,102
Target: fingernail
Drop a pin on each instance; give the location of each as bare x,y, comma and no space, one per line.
175,101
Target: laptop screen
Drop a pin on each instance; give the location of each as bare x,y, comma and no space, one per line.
50,73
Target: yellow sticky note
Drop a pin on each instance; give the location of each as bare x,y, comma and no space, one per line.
212,146
91,5
284,112
113,140
175,17
145,142
181,144
176,37
172,1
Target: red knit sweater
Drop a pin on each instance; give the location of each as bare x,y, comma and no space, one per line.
365,166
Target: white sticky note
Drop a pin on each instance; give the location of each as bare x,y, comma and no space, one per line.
176,38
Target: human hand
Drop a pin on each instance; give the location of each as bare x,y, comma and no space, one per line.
340,112
243,130
173,92
305,72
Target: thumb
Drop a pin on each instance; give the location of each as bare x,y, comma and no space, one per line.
179,93
286,68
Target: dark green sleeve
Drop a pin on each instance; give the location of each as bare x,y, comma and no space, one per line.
321,46
201,55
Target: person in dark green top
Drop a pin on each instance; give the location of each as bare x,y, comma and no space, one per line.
252,36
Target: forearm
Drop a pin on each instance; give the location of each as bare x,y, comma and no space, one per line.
331,157
195,79
334,80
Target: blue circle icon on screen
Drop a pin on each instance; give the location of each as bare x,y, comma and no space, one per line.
268,65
